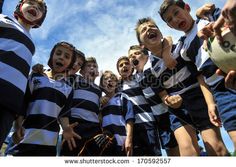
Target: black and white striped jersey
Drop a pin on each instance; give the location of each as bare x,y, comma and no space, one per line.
193,51
115,114
47,101
85,107
16,51
143,115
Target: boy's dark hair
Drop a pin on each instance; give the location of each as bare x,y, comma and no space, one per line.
167,3
89,60
80,55
140,22
102,78
18,13
118,61
65,44
138,47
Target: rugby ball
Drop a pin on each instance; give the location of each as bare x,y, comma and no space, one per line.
223,55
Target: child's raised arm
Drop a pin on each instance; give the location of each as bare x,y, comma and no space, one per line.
169,61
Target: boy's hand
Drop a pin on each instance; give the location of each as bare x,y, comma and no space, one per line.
69,135
128,146
18,135
212,112
38,68
206,9
230,78
174,101
169,61
206,33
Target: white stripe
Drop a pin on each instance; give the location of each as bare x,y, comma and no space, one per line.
44,107
179,77
86,95
213,79
84,114
120,139
185,89
159,109
136,100
113,120
40,137
13,76
144,117
201,58
148,92
18,48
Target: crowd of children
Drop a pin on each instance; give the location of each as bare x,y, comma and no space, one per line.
165,96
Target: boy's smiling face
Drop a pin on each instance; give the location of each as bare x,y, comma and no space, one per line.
149,34
178,18
32,10
61,59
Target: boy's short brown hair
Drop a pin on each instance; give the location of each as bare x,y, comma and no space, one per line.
119,60
140,22
80,55
138,47
167,3
89,60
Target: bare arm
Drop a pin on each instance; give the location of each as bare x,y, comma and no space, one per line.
129,139
212,111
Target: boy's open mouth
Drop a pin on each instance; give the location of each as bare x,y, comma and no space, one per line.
135,62
182,24
92,73
32,12
151,35
59,64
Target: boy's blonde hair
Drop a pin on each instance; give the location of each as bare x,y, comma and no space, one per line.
140,22
167,3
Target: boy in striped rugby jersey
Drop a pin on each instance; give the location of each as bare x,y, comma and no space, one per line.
16,51
192,114
47,102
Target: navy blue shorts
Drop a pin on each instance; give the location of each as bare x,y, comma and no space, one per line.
226,102
194,102
178,118
145,142
165,132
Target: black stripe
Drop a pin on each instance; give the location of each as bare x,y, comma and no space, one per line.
111,109
114,129
85,129
49,94
16,35
181,85
192,50
142,108
209,68
13,60
132,92
39,121
143,127
24,149
11,97
154,100
85,104
88,87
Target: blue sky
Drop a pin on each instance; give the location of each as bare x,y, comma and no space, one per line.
100,28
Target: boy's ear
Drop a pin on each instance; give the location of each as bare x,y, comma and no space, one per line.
187,7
